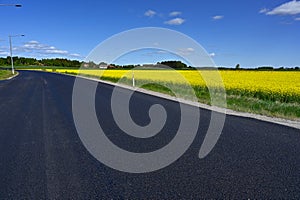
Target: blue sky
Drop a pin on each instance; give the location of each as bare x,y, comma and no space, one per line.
250,32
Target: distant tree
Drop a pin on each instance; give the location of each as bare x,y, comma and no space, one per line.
265,68
174,64
237,66
128,66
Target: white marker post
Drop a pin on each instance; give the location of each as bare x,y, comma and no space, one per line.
133,81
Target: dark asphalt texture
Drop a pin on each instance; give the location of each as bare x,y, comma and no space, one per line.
42,157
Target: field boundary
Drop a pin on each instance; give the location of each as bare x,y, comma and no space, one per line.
11,77
280,121
17,73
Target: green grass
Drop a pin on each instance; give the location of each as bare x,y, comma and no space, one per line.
244,102
158,88
4,74
264,107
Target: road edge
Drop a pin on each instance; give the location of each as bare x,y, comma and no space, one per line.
280,121
9,78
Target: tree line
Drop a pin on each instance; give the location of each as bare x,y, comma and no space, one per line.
160,65
63,62
263,68
22,61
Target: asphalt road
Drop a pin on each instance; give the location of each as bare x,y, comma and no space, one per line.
42,157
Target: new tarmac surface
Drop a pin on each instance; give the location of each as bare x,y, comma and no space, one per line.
42,156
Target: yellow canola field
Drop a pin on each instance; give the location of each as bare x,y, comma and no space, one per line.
273,85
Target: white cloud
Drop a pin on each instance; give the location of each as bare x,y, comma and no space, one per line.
264,10
56,51
75,55
33,45
155,53
175,13
161,52
289,8
43,49
186,51
150,13
3,51
212,54
297,19
217,17
176,21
